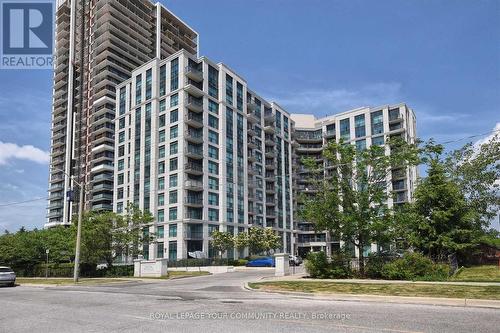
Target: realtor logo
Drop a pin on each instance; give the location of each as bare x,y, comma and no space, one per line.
27,34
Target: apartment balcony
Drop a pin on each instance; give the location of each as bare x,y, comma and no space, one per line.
193,201
194,136
270,142
194,73
193,90
270,177
251,131
193,185
102,167
270,189
270,214
102,186
252,116
270,153
55,196
251,157
194,120
54,214
192,152
102,206
270,203
101,197
102,147
395,118
270,166
194,104
269,129
329,134
251,171
252,106
193,234
102,177
269,116
308,136
251,144
304,148
193,169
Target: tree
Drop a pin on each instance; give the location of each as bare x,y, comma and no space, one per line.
443,218
222,241
351,201
259,240
106,235
241,241
271,240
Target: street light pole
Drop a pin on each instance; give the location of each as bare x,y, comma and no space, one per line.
78,237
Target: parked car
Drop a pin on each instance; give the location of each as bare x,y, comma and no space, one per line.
295,260
262,262
7,276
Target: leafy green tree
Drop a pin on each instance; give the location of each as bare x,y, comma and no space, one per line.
271,240
222,241
351,201
241,241
442,219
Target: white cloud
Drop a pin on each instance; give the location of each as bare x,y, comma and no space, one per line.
10,151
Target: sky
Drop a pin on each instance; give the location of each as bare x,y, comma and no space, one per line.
317,56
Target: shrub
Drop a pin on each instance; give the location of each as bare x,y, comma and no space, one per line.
414,266
318,266
239,262
374,265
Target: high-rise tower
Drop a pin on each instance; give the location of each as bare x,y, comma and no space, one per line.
97,45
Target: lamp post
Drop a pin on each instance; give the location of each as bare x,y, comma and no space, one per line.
47,265
76,269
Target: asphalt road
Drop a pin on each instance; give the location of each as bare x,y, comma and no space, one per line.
218,303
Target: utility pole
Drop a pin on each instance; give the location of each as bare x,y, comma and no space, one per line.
78,235
47,265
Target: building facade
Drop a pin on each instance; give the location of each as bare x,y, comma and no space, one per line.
97,45
202,152
361,127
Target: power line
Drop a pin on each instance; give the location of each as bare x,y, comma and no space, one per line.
21,202
469,137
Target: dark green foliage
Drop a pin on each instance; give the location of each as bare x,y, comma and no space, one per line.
414,266
318,266
375,264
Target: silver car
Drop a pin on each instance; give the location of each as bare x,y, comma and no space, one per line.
7,276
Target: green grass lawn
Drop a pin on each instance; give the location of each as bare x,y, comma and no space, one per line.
412,289
486,273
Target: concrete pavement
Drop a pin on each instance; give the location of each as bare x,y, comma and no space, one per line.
219,303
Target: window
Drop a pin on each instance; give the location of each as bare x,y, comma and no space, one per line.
161,152
159,250
213,137
161,215
172,250
239,96
172,197
378,141
149,80
361,145
229,90
162,106
359,126
138,89
122,104
213,214
174,100
172,214
121,137
172,181
121,165
174,147
174,132
161,121
345,130
377,122
161,199
161,137
213,199
173,164
213,106
213,167
161,183
174,72
213,82
213,121
121,123
172,230
213,183
119,207
159,231
161,167
213,152
163,79
120,179
174,116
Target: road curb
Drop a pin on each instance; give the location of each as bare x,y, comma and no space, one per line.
456,302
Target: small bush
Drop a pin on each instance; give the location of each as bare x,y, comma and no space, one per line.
414,266
318,266
374,265
240,262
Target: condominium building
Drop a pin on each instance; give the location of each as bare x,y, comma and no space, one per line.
202,152
361,127
98,44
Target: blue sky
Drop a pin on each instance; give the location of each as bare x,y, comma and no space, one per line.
321,57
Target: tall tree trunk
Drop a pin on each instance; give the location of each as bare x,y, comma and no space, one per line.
361,258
